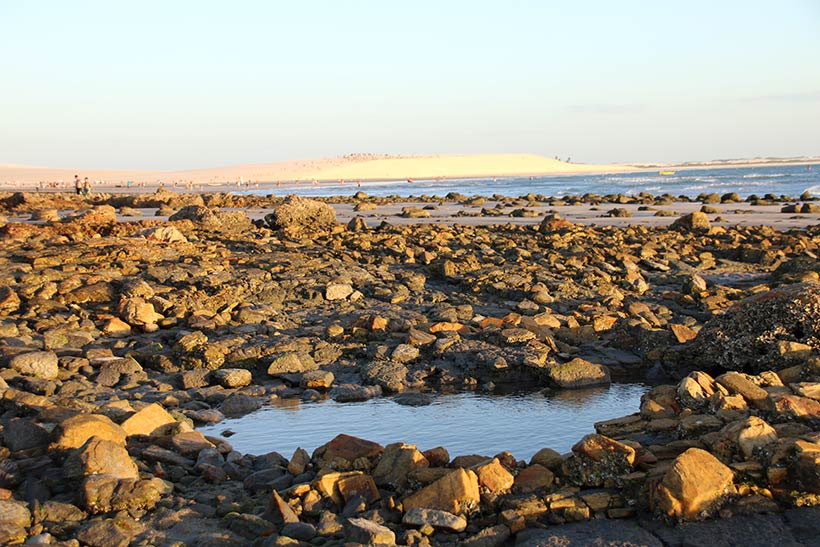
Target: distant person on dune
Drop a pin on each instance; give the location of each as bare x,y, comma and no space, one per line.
78,185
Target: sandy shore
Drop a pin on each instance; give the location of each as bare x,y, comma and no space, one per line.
356,167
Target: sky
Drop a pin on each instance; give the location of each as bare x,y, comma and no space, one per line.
186,84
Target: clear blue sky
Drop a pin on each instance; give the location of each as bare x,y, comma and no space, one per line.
179,84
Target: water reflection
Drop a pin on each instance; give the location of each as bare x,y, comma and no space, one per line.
464,423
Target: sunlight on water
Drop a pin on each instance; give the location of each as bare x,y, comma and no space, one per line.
464,423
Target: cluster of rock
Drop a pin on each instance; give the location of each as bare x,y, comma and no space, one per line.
118,338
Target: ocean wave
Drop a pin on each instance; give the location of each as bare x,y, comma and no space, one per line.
764,176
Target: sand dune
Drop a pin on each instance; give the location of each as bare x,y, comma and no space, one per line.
357,167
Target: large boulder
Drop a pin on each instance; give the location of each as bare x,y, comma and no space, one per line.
753,335
694,486
457,493
298,217
693,222
214,219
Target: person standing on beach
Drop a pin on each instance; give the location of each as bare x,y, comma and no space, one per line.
78,186
86,186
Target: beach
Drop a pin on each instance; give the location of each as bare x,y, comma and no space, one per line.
147,337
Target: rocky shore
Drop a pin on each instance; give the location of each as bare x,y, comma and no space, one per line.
121,332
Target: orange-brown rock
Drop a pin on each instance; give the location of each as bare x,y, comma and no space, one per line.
75,431
534,477
457,492
694,486
345,452
151,420
493,476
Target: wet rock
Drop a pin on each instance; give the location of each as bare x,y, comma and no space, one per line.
39,364
298,217
239,404
694,486
413,399
344,393
457,492
579,373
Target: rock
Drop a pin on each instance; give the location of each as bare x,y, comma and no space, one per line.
494,477
9,301
22,434
553,222
397,462
99,456
214,219
388,375
232,377
439,520
736,382
694,486
163,234
579,373
239,404
693,222
345,452
533,478
291,362
405,353
494,536
352,392
14,514
457,492
756,530
150,421
317,379
749,435
696,389
97,215
279,511
39,364
106,533
76,431
367,532
139,313
597,533
547,457
338,291
747,336
596,459
105,493
298,462
298,217
190,443
358,487
806,468
413,398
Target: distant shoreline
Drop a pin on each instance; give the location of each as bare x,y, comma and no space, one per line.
349,170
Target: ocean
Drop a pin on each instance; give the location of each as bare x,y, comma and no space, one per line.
789,180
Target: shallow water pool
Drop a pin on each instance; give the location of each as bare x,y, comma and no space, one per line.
464,423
